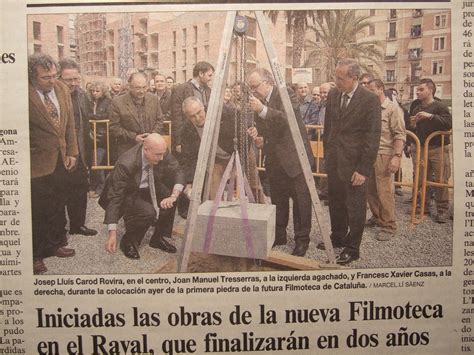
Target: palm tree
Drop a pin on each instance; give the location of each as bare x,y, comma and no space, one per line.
297,21
336,33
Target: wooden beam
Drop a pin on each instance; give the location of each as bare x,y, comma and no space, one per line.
279,78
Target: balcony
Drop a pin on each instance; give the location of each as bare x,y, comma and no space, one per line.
390,79
415,31
390,58
414,54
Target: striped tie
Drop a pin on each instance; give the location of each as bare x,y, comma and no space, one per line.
51,108
151,186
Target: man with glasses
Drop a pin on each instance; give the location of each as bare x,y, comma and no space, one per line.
78,178
134,115
282,164
53,152
365,79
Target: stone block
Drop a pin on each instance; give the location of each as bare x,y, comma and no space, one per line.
228,237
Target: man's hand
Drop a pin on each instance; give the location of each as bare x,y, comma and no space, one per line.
422,115
394,164
252,132
255,104
357,179
111,243
168,202
258,142
178,148
188,190
141,137
70,163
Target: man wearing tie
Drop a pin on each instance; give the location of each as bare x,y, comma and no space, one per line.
143,188
53,152
351,141
282,164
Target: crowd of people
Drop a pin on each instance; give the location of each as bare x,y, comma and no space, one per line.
364,137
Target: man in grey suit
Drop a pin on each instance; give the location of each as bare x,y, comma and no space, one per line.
351,141
134,115
281,159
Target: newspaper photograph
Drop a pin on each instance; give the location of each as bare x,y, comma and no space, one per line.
216,178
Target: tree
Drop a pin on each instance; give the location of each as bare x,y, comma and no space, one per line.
337,35
297,22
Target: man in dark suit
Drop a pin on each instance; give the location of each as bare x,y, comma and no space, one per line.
351,141
78,181
53,152
163,94
282,164
143,188
198,86
134,115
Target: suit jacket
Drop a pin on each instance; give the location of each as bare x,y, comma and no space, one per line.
81,106
102,112
192,141
47,142
124,180
279,148
125,124
352,136
178,95
165,104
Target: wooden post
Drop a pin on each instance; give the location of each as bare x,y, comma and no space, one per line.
209,138
281,85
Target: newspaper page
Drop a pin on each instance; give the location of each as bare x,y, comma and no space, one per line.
411,292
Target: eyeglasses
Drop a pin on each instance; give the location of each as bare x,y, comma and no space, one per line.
255,87
49,77
72,80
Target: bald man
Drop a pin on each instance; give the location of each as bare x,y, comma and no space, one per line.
142,200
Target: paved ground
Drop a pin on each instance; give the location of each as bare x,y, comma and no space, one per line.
428,244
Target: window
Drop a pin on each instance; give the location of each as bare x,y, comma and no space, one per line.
185,59
60,52
185,34
184,75
206,31
439,91
195,55
437,67
372,12
195,39
174,38
392,30
206,52
439,43
174,59
415,31
393,14
60,34
371,30
37,48
37,30
440,21
390,76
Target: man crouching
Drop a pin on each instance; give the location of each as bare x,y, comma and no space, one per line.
143,188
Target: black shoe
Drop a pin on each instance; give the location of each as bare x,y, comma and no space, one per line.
346,258
321,245
129,250
161,243
83,230
300,250
279,242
